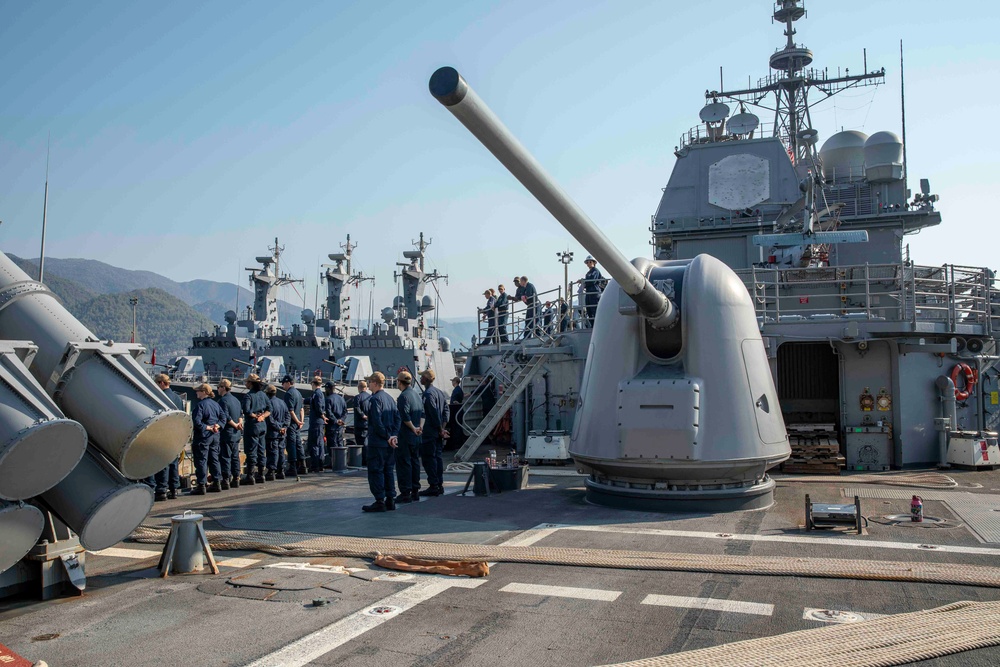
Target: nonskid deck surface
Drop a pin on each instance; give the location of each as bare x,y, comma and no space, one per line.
521,614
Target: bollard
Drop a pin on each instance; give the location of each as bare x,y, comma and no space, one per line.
186,546
354,456
338,459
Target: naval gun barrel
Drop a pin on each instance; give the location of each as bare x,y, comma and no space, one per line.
451,90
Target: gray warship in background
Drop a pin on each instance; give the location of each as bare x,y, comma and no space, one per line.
332,345
893,362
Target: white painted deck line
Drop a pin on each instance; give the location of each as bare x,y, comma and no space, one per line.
562,592
864,616
118,552
321,642
733,606
309,567
238,562
532,535
788,539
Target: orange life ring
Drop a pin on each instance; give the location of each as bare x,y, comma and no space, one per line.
971,377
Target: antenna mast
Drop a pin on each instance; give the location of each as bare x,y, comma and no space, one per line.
791,82
45,210
902,105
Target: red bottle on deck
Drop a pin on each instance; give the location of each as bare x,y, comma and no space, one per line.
917,509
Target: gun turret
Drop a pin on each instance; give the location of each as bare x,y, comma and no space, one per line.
696,425
451,90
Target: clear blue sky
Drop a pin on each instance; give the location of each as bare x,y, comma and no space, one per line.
186,136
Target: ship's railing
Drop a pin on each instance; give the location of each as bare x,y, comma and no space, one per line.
298,377
549,318
702,134
951,295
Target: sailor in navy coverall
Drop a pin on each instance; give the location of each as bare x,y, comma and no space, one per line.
593,283
293,441
229,438
411,413
361,413
530,297
277,425
336,413
317,421
169,477
207,420
436,414
383,430
256,408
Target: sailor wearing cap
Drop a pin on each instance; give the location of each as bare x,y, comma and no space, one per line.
593,285
207,419
502,306
488,314
336,413
529,295
411,413
256,408
293,440
277,426
383,431
436,415
317,421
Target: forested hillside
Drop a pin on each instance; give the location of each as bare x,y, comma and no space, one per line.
163,322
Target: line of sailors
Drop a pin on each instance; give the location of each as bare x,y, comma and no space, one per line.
495,312
403,434
270,429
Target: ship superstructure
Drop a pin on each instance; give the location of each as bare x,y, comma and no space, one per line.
225,352
331,344
859,337
407,338
857,333
322,337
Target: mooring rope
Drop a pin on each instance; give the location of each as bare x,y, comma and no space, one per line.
881,642
922,480
292,544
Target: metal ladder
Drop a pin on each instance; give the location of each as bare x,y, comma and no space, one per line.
515,381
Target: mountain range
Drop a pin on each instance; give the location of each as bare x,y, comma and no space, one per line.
210,298
169,313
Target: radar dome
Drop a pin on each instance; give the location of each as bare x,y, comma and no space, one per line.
843,155
397,302
883,157
427,303
445,343
308,316
387,314
230,317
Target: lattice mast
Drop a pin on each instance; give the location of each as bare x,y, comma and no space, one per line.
790,85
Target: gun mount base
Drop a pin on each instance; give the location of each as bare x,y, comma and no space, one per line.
624,494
